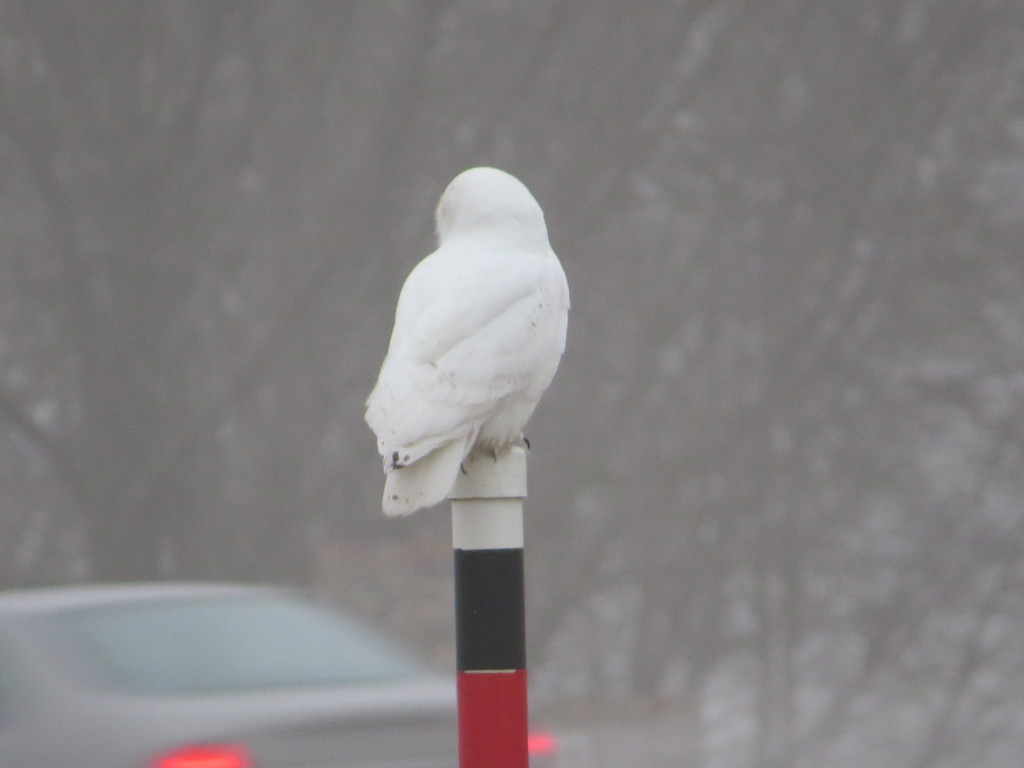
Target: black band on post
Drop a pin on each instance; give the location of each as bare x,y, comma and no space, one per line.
489,609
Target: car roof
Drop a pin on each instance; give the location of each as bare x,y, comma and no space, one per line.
55,599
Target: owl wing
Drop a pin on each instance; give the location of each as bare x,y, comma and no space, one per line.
468,333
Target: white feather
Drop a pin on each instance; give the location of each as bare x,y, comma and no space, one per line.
479,330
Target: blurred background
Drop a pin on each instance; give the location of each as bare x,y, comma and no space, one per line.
777,489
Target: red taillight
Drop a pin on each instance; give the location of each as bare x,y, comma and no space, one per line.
541,743
206,756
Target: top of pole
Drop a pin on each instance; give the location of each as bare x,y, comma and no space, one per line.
501,476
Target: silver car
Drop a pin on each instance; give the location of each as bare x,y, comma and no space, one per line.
217,676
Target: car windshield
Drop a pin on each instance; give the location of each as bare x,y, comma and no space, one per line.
221,644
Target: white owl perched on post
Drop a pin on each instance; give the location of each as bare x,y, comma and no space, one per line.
479,330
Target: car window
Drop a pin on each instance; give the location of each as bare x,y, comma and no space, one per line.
229,644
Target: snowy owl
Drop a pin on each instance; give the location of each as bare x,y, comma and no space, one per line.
479,331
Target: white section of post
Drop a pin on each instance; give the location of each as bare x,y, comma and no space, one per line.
487,501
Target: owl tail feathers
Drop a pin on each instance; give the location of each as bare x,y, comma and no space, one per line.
426,481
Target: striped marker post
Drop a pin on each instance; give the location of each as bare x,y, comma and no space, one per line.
490,626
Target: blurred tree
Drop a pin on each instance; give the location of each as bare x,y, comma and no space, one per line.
128,128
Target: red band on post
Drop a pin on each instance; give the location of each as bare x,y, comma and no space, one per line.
492,719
